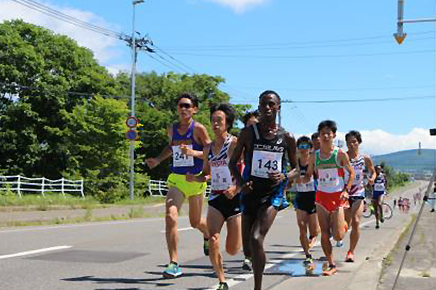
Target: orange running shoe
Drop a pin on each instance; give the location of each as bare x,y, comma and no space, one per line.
330,271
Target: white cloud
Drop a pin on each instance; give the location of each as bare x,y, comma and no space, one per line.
239,6
378,142
105,48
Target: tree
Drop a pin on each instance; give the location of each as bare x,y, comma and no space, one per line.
51,123
156,108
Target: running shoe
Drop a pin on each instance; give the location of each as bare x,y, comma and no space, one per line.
339,244
308,261
330,271
246,265
350,257
382,220
172,271
223,286
206,247
377,226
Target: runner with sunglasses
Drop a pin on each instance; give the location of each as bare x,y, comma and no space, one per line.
186,141
305,200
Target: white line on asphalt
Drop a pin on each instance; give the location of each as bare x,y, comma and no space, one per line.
180,230
35,252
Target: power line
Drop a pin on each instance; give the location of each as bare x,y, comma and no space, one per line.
305,56
292,43
288,47
69,19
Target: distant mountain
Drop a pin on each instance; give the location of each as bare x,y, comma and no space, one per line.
413,161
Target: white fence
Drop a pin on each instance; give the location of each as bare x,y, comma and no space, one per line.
160,188
22,184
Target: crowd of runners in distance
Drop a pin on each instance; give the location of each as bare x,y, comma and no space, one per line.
249,175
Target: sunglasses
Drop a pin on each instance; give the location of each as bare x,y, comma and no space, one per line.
304,146
185,105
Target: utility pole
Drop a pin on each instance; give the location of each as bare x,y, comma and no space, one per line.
132,134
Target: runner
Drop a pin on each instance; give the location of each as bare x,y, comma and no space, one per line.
190,137
223,200
305,200
264,146
316,141
249,119
360,163
332,194
377,195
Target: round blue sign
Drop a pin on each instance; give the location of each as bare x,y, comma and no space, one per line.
132,134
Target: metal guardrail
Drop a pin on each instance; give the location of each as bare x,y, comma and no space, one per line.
22,184
160,188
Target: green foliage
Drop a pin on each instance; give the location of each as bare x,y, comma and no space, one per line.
394,178
61,121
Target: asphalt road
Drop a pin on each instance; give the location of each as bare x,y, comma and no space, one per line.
132,255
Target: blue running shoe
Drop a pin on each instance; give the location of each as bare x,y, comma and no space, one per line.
339,244
172,271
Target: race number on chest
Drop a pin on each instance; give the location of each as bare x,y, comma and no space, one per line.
265,162
180,159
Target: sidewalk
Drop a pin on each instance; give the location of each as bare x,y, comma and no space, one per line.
14,217
419,268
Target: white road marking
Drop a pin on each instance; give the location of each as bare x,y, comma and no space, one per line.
180,230
35,252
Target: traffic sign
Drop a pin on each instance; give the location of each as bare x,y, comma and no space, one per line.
132,134
131,122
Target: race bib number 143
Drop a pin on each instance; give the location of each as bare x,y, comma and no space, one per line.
265,162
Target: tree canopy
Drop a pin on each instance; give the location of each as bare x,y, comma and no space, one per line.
63,114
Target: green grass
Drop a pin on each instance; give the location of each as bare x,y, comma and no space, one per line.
11,201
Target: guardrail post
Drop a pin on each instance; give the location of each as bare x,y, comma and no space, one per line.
19,186
81,188
62,186
42,186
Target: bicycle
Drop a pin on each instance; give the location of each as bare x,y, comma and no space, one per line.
368,210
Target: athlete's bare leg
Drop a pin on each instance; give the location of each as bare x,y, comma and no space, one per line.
197,222
174,201
356,215
324,223
215,222
263,222
302,221
247,225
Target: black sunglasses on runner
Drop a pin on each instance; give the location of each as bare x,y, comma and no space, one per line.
185,105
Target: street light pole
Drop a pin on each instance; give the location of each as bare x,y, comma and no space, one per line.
132,102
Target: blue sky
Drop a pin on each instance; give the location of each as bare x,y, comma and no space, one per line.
305,50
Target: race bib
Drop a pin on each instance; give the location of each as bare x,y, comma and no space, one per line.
221,178
328,178
306,187
379,187
180,159
265,162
